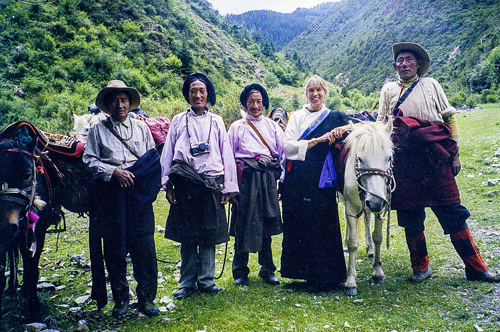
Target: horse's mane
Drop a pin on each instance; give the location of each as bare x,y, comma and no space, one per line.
369,136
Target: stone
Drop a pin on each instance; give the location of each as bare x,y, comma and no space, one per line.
82,299
46,287
79,260
34,327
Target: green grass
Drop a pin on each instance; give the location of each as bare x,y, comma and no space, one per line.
446,302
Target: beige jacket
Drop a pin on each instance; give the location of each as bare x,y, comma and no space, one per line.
427,101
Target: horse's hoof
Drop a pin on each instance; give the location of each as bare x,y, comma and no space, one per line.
351,291
378,280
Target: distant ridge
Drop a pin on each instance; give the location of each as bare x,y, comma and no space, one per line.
279,28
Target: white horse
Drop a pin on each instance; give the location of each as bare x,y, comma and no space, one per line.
82,124
368,184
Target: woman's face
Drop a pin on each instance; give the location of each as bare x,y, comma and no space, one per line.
316,96
254,104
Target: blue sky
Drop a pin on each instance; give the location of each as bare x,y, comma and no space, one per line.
284,6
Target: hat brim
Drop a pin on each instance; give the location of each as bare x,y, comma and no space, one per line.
100,100
425,60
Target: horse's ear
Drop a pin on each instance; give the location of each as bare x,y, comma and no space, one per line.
31,145
388,125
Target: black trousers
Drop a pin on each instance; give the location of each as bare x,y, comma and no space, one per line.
143,254
240,260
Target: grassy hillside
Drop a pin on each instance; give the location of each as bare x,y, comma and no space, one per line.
55,56
351,44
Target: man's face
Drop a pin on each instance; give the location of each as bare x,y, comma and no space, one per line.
254,104
406,65
119,106
198,96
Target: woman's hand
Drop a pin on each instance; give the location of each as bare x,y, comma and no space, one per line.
340,131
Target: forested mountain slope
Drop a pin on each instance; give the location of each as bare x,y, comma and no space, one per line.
351,44
56,55
279,28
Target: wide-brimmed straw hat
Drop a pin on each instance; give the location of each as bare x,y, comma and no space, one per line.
425,60
113,86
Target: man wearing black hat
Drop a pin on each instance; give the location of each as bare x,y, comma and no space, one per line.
257,143
426,160
199,174
121,154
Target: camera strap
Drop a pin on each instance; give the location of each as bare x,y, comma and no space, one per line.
187,128
260,136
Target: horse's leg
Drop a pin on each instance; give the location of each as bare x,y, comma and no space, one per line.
378,275
13,282
346,237
368,234
353,244
3,262
32,308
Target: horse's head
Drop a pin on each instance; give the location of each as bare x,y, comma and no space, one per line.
371,151
81,127
18,182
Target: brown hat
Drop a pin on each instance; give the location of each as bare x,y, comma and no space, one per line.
117,85
418,50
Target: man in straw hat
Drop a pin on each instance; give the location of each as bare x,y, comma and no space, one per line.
426,161
199,174
121,154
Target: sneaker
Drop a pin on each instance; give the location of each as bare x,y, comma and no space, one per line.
243,281
184,293
421,276
149,309
120,310
214,289
269,277
486,276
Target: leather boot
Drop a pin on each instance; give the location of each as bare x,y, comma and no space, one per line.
419,257
475,267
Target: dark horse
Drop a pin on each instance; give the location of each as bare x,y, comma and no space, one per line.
28,206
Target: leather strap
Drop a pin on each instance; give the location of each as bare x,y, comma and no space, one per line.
260,136
407,92
107,124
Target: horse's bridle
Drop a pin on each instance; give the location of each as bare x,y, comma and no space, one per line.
388,174
27,194
360,172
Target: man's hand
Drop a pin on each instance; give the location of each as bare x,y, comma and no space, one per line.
456,165
171,194
227,197
124,178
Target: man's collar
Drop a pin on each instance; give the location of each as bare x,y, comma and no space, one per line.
194,113
115,123
407,83
253,118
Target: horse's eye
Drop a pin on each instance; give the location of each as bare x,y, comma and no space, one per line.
27,177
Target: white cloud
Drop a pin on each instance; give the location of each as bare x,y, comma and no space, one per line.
283,6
